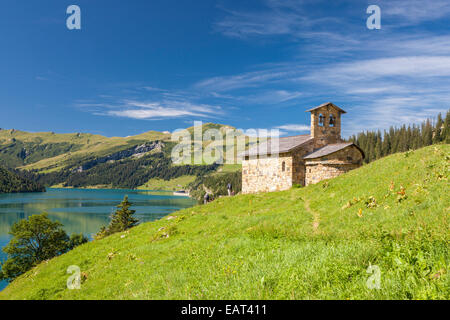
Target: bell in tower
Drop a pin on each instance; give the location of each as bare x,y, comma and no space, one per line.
326,124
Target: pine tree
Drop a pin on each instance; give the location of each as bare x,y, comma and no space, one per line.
446,132
415,137
378,146
121,220
386,146
408,138
395,141
437,136
427,134
403,138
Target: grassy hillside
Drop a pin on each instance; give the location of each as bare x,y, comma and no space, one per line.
86,160
174,184
215,184
307,243
47,151
10,182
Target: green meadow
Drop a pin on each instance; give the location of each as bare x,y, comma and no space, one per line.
174,184
305,243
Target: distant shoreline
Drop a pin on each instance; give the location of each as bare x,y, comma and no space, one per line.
90,188
172,192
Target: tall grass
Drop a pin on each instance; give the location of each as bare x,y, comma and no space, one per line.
306,243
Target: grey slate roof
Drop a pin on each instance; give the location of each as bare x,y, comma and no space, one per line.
329,149
326,104
285,144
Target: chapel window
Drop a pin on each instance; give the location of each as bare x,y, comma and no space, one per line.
321,120
332,121
283,166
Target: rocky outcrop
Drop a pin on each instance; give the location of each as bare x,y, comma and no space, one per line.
136,151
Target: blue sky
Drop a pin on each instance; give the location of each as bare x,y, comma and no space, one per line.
159,65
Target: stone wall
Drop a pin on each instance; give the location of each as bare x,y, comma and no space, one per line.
333,165
298,167
325,134
266,174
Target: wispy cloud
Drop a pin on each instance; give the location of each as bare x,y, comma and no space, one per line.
244,80
153,110
269,97
388,91
264,133
423,66
148,88
294,127
277,131
415,11
385,78
277,18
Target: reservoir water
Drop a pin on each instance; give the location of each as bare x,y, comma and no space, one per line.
83,210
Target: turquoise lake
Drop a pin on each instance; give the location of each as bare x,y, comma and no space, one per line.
83,210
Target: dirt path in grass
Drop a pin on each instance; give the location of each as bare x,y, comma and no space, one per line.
316,217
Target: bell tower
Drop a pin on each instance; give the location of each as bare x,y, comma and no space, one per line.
326,124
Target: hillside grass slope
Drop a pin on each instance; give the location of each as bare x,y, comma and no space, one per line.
305,243
95,161
48,151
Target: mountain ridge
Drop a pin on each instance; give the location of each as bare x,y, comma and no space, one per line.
88,160
48,151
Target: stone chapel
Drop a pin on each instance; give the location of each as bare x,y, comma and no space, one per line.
302,159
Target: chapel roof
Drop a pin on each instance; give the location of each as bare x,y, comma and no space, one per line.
285,144
329,149
327,104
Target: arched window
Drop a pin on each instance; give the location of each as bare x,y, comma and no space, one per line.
283,166
321,120
332,121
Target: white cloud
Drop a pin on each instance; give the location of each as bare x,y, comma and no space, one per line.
292,18
244,80
269,97
148,88
422,67
375,90
154,110
379,92
156,113
385,78
278,96
264,133
415,11
388,91
417,44
295,127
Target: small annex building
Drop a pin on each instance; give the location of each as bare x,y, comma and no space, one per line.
302,159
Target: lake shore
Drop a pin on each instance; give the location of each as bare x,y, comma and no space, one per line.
83,210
